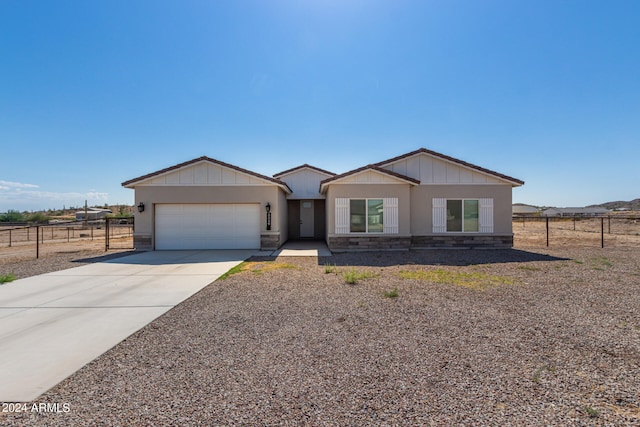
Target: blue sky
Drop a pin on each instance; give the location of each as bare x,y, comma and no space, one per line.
96,93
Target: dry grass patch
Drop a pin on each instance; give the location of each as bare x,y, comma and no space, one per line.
475,280
258,267
353,276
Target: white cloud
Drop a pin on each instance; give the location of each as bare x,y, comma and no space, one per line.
7,185
24,198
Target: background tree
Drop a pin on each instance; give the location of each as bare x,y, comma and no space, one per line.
11,216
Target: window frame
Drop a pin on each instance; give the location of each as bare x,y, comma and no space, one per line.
462,219
366,216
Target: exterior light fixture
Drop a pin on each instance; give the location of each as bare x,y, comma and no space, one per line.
268,208
141,207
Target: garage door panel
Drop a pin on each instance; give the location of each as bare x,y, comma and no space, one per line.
207,226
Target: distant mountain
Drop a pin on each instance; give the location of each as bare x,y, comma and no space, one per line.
633,205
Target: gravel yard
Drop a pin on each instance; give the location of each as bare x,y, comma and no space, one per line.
468,337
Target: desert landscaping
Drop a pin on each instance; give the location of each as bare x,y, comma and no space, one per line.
529,336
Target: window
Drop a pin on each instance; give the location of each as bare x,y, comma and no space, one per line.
463,215
366,216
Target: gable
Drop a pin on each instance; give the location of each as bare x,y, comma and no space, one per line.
304,182
204,174
433,168
370,174
204,171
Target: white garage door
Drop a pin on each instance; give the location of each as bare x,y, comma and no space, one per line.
207,226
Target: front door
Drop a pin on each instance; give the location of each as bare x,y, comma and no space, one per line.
306,218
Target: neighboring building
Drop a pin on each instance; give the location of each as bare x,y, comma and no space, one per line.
418,200
520,210
93,214
575,212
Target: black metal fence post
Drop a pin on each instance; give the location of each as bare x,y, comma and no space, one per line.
547,231
38,241
602,232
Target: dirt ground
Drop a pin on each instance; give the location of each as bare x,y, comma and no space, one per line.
25,251
587,233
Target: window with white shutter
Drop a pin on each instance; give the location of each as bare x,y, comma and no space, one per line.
367,215
462,215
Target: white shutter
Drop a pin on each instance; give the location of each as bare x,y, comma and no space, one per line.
390,215
485,216
342,216
439,215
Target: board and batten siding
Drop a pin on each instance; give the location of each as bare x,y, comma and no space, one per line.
204,173
431,170
304,183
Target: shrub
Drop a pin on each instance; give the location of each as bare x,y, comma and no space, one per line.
7,278
38,217
328,268
11,216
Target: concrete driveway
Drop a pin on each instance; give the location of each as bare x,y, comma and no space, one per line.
53,324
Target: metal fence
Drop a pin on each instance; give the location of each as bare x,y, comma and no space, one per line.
603,231
115,232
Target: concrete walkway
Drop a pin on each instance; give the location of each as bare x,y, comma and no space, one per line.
53,324
312,248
